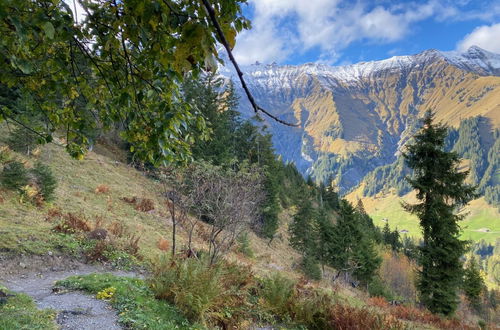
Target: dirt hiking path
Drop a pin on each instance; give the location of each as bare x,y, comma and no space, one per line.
75,310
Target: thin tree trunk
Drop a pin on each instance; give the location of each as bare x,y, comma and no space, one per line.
173,229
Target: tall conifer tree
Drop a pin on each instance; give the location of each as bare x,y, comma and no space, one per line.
441,190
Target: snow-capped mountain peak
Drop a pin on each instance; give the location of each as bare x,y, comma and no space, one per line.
475,59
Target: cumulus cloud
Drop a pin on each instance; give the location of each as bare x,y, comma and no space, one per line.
486,37
284,27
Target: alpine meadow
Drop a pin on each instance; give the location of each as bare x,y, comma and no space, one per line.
249,164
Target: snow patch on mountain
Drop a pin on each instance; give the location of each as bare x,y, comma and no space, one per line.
474,59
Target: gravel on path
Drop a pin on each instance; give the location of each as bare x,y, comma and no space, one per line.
75,310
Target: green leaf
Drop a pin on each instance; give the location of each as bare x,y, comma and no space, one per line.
25,66
49,29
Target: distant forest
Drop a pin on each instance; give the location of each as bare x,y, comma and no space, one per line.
474,140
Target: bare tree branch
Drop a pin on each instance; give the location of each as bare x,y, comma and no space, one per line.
223,40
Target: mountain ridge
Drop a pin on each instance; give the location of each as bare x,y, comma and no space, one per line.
353,119
475,59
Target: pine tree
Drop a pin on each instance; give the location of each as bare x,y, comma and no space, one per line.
347,237
326,235
331,198
395,240
14,176
473,283
386,234
303,229
360,207
46,180
368,261
352,248
441,191
270,207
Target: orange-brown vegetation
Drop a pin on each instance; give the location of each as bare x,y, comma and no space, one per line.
399,274
140,204
98,252
132,245
73,223
31,193
378,302
98,234
162,244
53,213
424,316
98,222
145,205
117,229
102,189
130,200
417,315
348,317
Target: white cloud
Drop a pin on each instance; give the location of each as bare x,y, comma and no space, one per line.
285,27
486,37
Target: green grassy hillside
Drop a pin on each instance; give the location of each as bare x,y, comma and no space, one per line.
482,220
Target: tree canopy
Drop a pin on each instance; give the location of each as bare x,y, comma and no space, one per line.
121,66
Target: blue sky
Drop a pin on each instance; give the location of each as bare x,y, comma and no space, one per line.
342,32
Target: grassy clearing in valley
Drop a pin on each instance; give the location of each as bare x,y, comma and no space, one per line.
482,221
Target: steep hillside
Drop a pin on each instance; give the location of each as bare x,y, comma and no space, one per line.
355,118
28,236
26,229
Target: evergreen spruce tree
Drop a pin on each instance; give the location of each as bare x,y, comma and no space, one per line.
331,198
270,207
391,238
352,249
386,234
347,237
368,261
441,191
360,207
326,236
46,180
303,228
366,222
22,140
473,283
304,236
395,240
14,176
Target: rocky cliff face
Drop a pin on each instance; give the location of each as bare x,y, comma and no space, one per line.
353,119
